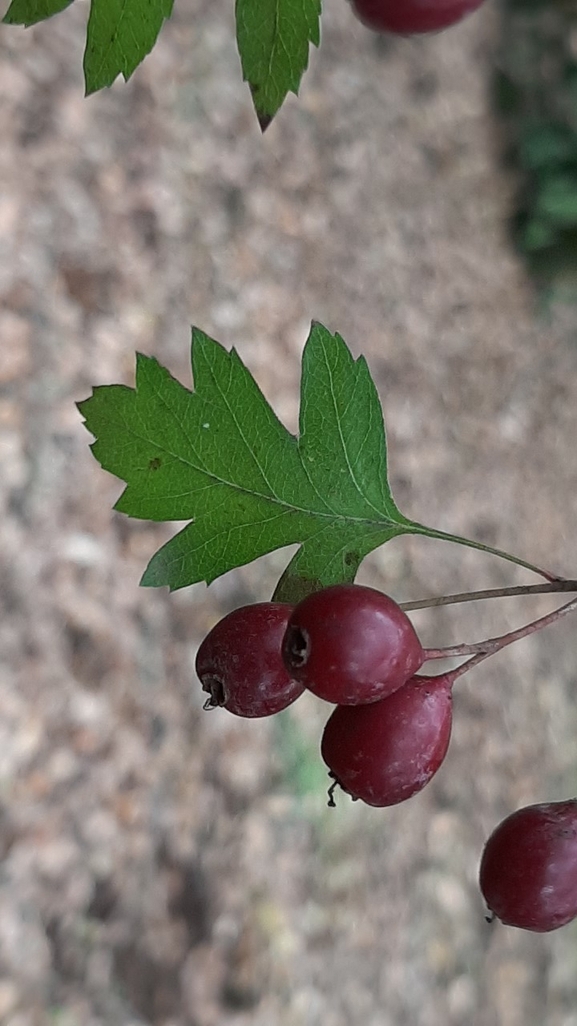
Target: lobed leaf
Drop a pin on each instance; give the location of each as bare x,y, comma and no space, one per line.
220,458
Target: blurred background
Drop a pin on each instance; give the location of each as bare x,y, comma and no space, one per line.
161,865
535,92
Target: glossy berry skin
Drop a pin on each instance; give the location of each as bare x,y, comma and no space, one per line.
528,872
409,17
350,644
386,752
239,662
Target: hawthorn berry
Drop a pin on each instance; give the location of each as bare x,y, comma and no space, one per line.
528,872
385,752
409,17
350,644
239,663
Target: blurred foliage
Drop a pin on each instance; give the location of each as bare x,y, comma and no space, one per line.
536,95
303,771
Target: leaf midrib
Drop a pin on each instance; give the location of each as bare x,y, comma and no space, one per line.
272,498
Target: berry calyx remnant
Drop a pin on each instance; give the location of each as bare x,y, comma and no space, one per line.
350,644
528,871
409,17
239,662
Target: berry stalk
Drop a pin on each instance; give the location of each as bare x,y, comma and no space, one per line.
553,587
483,649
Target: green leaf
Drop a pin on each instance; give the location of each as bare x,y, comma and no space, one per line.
220,458
30,12
120,35
273,38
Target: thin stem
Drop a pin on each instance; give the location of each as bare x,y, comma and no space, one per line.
453,651
488,593
492,645
428,532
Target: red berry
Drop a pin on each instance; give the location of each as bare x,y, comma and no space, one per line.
408,17
239,663
528,872
385,752
349,644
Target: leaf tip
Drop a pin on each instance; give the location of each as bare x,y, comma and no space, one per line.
264,120
149,578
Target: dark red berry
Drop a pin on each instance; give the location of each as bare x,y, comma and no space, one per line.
408,17
239,663
349,644
385,752
528,872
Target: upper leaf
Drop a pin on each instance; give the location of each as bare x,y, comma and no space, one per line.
120,35
273,39
30,12
220,458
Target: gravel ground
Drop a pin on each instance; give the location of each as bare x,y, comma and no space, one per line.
165,866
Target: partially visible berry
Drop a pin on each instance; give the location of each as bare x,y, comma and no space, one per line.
409,17
350,644
385,752
239,663
528,872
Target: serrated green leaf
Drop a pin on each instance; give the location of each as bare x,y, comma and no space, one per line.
120,34
30,12
220,457
273,38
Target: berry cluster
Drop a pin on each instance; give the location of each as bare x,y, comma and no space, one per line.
389,733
